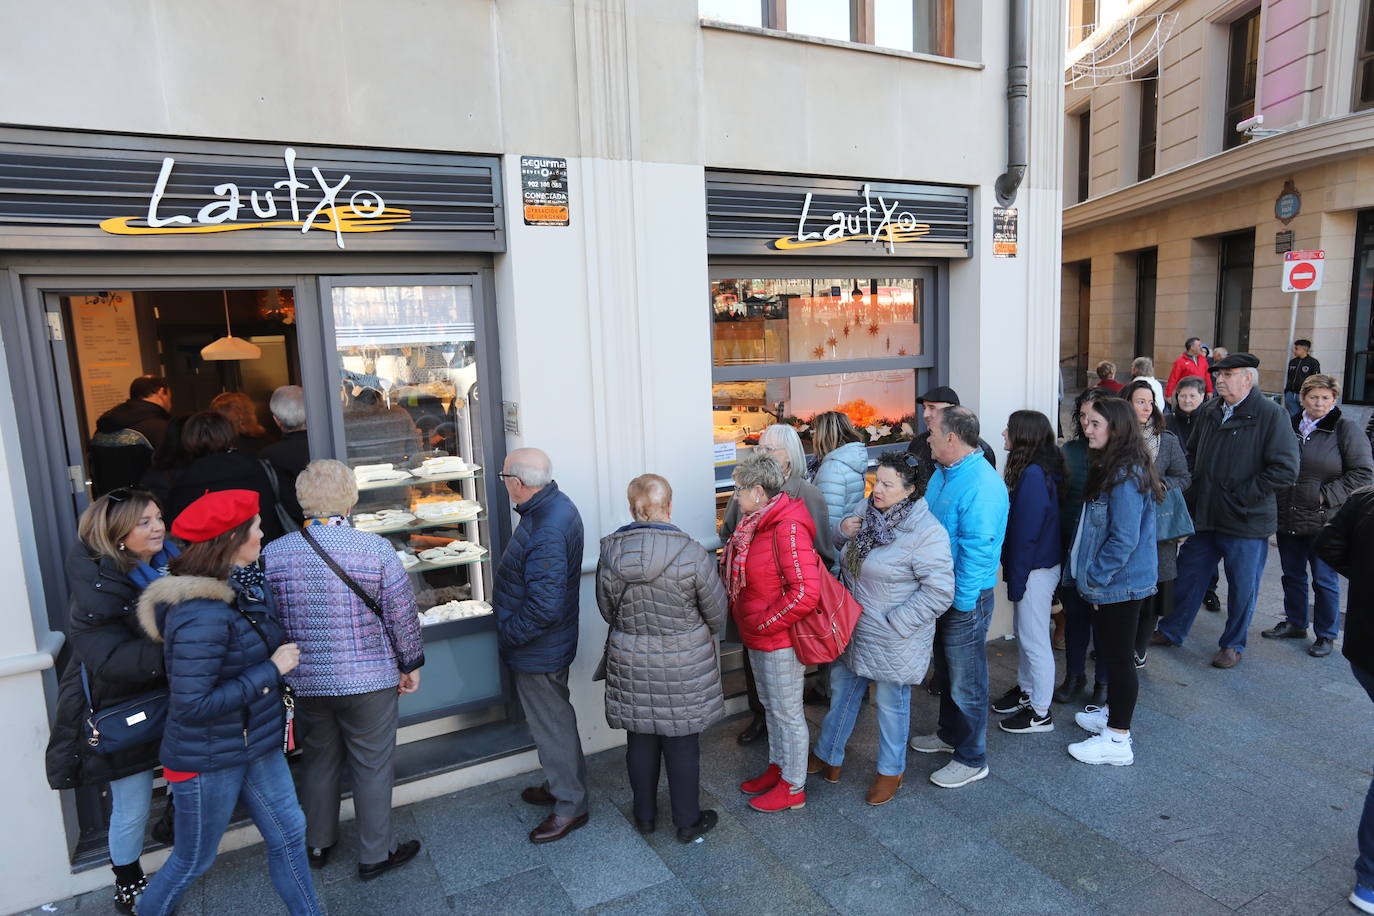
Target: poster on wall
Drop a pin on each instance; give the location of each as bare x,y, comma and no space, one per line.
544,187
105,329
1004,232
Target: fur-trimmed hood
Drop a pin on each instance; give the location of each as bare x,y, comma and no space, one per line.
170,590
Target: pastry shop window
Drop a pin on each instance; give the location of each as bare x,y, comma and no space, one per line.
789,345
408,423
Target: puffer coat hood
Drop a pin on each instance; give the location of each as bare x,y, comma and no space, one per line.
903,588
226,707
660,592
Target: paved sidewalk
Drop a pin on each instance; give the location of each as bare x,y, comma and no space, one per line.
1245,795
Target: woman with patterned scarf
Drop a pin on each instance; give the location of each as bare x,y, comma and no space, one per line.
897,564
771,577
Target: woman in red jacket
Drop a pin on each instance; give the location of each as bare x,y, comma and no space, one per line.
771,575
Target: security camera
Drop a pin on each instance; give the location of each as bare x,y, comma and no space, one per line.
1254,128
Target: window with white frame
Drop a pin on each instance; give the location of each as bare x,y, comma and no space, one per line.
923,26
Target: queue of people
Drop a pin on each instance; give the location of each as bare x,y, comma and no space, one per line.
319,628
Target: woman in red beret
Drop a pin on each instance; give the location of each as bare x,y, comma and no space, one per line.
226,721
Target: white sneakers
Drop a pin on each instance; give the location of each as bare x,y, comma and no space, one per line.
1092,719
1105,746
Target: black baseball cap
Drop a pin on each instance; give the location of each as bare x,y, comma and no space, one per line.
940,394
1236,361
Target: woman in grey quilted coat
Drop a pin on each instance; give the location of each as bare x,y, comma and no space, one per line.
897,564
662,596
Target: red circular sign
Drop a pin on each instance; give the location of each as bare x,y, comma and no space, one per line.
1302,276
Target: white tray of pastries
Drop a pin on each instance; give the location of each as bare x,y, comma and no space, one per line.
383,520
408,560
454,610
453,553
378,475
447,467
448,510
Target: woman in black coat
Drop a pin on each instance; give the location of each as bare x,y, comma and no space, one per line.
122,549
1333,461
210,441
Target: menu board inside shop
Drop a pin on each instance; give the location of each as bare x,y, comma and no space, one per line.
105,329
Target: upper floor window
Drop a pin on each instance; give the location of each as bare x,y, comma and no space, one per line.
1364,62
1242,75
1082,20
1085,153
1149,130
924,26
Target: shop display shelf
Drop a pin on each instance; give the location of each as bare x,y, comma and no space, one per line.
417,480
426,566
451,628
419,525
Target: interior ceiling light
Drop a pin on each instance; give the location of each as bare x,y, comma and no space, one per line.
229,346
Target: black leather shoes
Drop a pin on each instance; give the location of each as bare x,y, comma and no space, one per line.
1099,695
700,828
645,827
1321,648
555,827
537,795
1071,689
403,854
318,856
1284,630
757,728
1211,602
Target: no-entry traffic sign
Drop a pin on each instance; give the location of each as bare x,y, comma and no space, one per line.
1302,271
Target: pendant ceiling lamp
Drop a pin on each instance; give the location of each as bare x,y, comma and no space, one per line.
229,346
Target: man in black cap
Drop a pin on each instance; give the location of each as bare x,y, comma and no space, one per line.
933,403
1242,452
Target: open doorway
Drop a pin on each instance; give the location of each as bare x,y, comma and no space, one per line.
114,337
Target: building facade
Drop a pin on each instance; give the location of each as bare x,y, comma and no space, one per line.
1176,222
631,234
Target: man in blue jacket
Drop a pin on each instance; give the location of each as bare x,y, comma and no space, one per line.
970,500
535,601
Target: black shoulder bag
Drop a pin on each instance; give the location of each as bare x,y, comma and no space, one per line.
288,523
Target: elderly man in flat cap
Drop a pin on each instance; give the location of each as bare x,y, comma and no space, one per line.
1243,452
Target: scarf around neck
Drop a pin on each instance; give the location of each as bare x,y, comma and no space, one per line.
327,521
250,582
878,529
144,574
737,548
1151,440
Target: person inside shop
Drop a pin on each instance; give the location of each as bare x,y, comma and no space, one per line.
535,599
127,435
664,602
238,409
123,547
1300,367
379,432
1191,363
291,453
216,464
932,405
346,600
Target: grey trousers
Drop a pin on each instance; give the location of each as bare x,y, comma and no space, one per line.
553,723
363,727
781,680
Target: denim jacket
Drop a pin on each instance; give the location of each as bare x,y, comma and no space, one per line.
1115,558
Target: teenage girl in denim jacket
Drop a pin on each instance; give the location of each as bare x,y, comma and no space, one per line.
1114,566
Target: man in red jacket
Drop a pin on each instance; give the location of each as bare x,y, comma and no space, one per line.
1191,362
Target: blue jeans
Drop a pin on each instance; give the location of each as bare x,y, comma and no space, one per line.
961,637
847,691
1364,865
1243,560
1291,403
204,805
129,799
1297,554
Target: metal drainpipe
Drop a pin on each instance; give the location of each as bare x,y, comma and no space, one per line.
1018,92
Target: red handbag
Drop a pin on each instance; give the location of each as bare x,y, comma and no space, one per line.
822,635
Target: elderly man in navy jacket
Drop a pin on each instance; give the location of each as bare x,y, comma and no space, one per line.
535,600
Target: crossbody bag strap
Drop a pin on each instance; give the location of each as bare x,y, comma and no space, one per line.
346,579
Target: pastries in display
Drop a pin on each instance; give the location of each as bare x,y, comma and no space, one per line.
454,610
449,467
448,510
376,475
383,520
408,560
453,553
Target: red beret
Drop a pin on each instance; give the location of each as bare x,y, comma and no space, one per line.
215,513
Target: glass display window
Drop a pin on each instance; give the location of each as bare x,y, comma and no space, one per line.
788,346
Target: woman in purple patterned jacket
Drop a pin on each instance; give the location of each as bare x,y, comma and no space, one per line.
358,655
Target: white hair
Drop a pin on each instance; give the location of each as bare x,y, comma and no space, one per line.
532,467
785,437
288,407
1254,375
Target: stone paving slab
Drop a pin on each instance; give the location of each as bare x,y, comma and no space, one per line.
1245,796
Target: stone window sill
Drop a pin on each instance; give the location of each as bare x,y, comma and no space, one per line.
846,45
